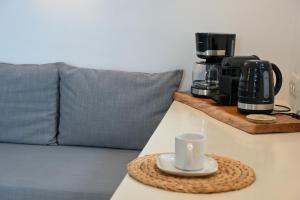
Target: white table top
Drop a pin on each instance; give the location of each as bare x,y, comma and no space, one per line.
274,157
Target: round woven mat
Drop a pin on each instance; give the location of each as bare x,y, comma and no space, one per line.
231,175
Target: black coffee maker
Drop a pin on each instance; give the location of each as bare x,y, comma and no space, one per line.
218,76
212,47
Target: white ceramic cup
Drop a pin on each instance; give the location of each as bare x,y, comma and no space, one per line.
189,151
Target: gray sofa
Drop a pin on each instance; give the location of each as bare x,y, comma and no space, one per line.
68,132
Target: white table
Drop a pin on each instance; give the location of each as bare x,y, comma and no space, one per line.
274,157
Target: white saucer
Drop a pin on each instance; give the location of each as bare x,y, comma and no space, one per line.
165,163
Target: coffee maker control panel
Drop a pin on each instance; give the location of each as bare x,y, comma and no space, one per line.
212,45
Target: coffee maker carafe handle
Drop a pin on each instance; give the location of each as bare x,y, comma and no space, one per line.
278,78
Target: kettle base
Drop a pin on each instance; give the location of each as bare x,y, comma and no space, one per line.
248,108
244,111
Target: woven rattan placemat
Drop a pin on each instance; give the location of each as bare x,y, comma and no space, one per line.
231,175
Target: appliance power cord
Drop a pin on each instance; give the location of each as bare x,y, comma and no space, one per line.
285,111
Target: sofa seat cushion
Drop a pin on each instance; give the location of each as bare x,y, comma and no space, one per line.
33,172
115,109
28,103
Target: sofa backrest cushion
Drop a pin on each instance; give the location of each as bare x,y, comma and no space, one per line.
28,103
116,109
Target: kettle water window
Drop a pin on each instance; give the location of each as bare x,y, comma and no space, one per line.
266,84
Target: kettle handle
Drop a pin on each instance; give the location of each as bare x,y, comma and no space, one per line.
278,78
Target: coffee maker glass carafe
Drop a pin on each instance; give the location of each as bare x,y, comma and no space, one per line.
206,78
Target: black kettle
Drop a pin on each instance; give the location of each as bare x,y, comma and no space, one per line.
256,89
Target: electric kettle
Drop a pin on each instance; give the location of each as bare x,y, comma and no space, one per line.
256,89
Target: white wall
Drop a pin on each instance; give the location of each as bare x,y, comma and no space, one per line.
143,35
294,101
297,57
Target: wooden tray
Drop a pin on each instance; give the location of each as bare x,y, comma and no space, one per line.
230,115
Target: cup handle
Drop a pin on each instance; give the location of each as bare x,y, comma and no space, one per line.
190,148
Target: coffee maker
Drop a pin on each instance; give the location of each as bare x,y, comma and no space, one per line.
218,76
212,47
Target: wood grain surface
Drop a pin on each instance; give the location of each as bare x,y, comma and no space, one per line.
230,115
